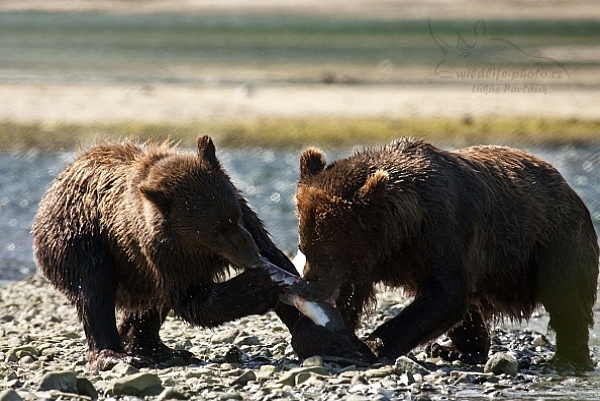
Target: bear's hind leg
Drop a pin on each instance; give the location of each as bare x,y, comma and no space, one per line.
92,287
99,323
568,272
139,333
469,341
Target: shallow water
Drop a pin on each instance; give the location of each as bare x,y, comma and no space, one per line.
267,177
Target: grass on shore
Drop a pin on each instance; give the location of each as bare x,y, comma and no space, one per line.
300,132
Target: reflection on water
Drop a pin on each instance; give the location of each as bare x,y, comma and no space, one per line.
267,177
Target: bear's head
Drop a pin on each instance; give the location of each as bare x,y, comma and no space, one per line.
340,214
191,198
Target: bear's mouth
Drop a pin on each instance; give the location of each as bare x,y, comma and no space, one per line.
328,297
331,301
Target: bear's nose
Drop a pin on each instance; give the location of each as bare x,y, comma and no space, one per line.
239,248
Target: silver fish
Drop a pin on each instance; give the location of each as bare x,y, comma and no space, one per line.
321,313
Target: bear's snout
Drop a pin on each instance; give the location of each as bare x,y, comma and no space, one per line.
239,248
317,290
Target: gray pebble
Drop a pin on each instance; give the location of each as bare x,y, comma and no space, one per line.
313,361
226,336
357,397
10,395
298,375
139,384
86,388
380,372
65,382
124,369
500,363
406,365
26,360
244,379
223,396
170,394
247,340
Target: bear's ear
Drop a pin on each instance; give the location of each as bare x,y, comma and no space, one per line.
312,162
374,185
158,197
206,149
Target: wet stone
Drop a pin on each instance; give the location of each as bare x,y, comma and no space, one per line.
380,372
65,382
10,395
86,388
26,360
223,396
313,361
501,363
406,365
170,394
266,372
226,336
139,384
26,350
124,369
247,340
234,355
244,379
357,397
298,375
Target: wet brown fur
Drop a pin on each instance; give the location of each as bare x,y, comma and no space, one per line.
149,229
478,234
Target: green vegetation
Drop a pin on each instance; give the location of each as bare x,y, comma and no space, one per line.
299,132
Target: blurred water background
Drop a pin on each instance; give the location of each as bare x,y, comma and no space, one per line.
266,176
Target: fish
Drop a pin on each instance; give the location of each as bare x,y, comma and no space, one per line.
321,313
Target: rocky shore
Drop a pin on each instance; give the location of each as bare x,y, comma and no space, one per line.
42,356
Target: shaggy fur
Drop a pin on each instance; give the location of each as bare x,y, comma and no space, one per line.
149,230
482,233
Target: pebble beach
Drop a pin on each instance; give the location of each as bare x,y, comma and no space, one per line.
42,356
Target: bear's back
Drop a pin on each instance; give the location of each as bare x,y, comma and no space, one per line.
88,210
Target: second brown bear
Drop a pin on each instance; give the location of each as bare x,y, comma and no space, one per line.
477,234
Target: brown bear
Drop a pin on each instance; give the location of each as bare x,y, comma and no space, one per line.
148,230
482,233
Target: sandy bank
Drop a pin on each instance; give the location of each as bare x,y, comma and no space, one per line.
171,103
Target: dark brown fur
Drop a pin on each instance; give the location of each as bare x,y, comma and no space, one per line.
149,230
482,233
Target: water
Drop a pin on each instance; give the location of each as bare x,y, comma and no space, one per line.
267,178
192,48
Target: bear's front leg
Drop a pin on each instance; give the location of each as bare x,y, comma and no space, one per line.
436,309
469,341
212,304
309,339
